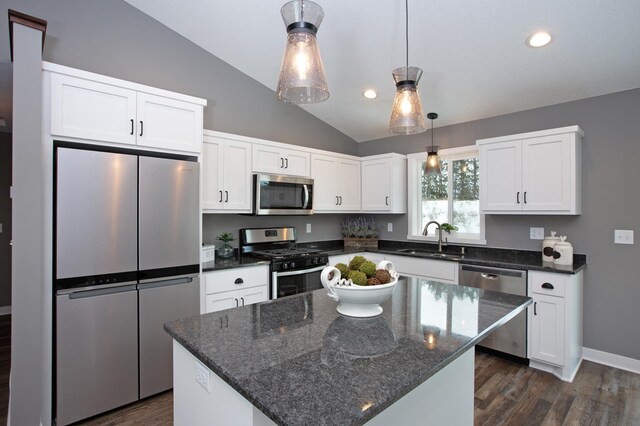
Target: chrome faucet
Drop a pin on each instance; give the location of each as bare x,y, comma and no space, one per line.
425,232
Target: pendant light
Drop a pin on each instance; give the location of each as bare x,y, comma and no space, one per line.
302,78
406,115
432,165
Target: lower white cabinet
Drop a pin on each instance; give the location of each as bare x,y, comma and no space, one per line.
231,288
555,323
438,270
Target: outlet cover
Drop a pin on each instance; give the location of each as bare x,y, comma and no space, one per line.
389,227
623,236
308,228
536,233
203,376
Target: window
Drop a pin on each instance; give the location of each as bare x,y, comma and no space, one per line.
453,197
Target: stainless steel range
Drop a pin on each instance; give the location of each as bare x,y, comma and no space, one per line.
293,269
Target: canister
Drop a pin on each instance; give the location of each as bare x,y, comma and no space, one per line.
563,252
547,246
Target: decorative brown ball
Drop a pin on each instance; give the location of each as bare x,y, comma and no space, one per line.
373,281
383,276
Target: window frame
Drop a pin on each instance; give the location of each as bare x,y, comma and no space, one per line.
414,191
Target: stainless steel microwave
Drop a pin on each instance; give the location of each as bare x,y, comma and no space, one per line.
282,195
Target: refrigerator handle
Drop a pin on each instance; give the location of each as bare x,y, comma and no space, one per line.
101,292
154,282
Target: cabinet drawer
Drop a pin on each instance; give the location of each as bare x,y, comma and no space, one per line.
236,279
545,283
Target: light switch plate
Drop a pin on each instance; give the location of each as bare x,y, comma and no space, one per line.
308,228
623,236
536,233
389,227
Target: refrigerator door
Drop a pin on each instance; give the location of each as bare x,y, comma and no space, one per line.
161,302
169,217
96,352
96,215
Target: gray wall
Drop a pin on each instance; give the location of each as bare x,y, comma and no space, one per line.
5,219
115,39
611,200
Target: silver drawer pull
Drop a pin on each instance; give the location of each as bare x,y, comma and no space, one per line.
239,281
489,276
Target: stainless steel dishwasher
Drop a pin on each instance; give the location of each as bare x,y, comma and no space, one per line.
511,338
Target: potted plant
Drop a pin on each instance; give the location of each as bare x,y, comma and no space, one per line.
360,232
448,227
226,251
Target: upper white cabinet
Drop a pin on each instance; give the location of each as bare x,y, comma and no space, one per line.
384,183
226,175
103,109
279,160
336,184
531,173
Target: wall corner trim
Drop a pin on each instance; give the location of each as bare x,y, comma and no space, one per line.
612,360
28,21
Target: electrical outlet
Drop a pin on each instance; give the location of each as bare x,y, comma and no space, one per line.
389,227
536,233
203,376
623,236
308,228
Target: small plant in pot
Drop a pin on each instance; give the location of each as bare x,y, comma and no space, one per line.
226,251
448,227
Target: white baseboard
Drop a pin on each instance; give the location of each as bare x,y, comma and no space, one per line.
612,360
5,310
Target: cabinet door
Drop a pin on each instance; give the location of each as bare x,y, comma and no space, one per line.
249,296
267,159
348,185
325,183
546,173
237,176
547,329
220,301
376,185
168,123
501,176
297,163
212,175
89,110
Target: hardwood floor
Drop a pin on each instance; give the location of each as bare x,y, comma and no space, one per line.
505,394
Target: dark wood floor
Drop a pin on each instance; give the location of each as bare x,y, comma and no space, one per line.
505,394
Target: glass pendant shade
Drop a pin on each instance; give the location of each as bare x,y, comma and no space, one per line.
406,114
302,77
432,165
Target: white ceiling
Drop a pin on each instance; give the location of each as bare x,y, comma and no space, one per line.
473,52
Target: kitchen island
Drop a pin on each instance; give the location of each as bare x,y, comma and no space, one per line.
297,361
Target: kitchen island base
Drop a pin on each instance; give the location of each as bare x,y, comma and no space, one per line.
203,398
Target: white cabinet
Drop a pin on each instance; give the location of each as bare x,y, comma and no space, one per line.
336,183
555,322
231,288
103,109
531,173
226,175
278,160
384,184
438,270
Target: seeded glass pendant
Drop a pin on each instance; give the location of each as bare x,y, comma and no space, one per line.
432,165
406,114
302,78
407,117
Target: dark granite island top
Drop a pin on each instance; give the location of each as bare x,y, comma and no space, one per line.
300,362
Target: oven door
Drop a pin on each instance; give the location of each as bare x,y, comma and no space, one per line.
287,283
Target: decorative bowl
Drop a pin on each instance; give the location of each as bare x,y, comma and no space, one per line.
355,300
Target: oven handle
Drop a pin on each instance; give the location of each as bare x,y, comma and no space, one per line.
305,202
300,271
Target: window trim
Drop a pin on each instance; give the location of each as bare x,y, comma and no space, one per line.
414,194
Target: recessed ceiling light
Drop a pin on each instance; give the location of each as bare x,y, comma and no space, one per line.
539,39
370,94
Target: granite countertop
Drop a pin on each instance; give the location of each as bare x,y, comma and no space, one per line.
481,256
300,362
234,262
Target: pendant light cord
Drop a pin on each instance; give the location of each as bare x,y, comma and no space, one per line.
406,27
432,135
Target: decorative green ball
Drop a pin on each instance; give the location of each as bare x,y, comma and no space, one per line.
344,270
356,262
358,278
369,268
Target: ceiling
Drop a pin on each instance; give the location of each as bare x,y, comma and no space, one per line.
473,52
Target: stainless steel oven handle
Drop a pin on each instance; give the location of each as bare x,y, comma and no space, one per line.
306,196
301,271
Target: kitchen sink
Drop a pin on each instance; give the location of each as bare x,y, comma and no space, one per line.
431,254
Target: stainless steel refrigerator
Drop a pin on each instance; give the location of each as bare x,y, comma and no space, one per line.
126,261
